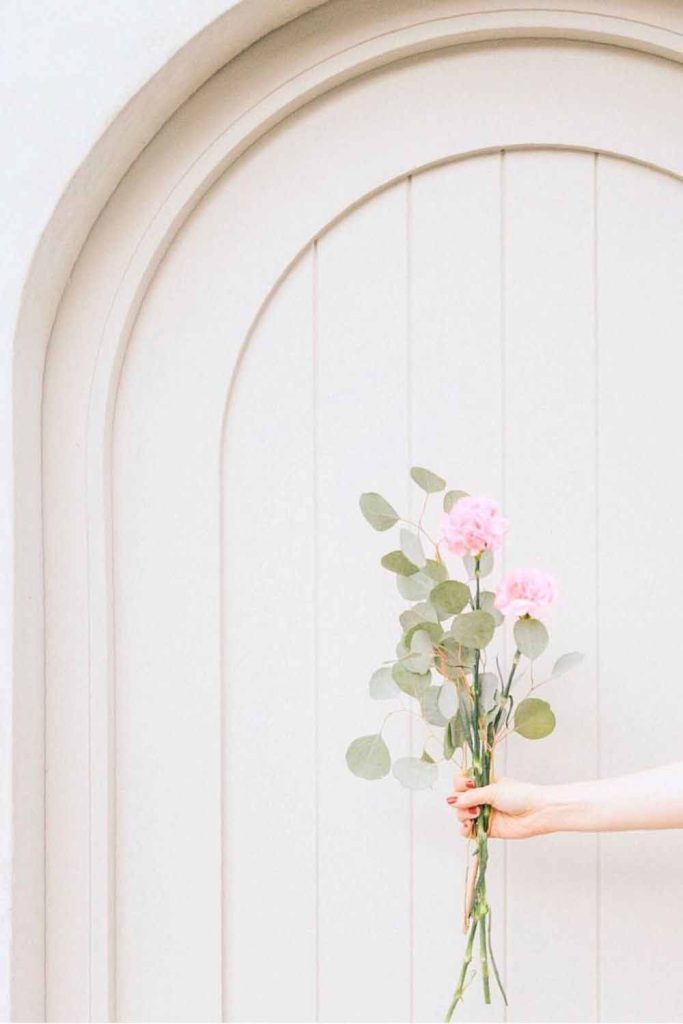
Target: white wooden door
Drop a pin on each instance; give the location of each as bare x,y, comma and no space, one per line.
393,275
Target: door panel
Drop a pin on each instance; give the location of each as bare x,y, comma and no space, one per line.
640,306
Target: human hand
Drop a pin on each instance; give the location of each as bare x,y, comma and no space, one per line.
517,807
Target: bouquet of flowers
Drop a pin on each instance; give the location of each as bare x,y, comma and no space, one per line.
471,705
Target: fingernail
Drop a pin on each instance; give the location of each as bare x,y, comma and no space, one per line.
451,799
474,811
470,783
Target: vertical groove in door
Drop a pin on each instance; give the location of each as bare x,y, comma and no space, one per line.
502,500
596,384
316,622
409,459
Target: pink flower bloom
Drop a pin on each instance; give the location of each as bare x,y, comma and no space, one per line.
473,525
525,592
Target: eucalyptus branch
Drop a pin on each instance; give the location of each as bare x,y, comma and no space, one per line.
421,529
456,655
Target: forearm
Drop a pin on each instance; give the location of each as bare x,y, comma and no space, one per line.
645,800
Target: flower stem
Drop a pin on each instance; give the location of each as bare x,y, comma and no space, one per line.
467,959
483,956
481,908
494,964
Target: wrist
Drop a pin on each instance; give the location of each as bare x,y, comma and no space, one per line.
561,809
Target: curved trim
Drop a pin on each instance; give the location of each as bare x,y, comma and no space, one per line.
38,311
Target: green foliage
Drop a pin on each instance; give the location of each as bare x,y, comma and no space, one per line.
414,588
486,599
465,708
486,564
429,706
382,685
534,719
488,684
415,773
475,629
419,613
378,511
397,562
412,683
432,629
531,637
436,570
429,482
458,657
412,548
368,757
450,498
450,597
566,663
448,700
421,657
454,737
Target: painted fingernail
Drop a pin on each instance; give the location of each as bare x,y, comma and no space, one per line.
451,800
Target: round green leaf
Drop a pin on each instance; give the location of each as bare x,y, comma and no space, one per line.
450,498
448,700
382,685
534,719
377,511
414,588
429,706
531,637
421,657
474,629
368,757
437,570
488,684
485,564
566,663
414,773
458,658
412,683
450,597
411,547
455,737
432,629
422,612
429,482
397,562
486,599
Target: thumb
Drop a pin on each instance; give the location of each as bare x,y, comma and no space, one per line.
475,797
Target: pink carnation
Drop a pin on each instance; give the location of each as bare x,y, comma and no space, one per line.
473,525
525,592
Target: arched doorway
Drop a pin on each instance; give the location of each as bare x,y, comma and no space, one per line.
253,326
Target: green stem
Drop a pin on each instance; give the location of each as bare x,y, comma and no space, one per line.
506,691
467,959
483,957
494,964
481,907
476,751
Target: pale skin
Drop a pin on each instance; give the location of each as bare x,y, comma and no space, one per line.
650,799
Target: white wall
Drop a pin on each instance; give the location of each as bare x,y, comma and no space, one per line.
67,69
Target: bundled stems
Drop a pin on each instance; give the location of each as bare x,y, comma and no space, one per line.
479,913
466,961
